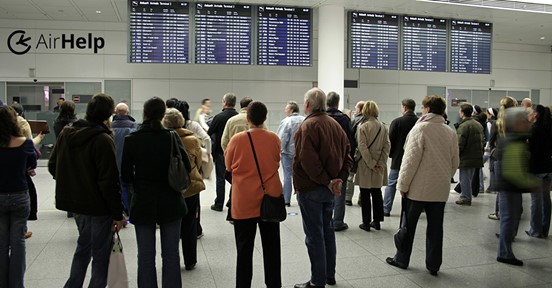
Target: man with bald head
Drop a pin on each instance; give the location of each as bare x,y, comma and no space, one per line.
121,119
527,103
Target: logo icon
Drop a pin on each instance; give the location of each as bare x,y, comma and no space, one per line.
19,45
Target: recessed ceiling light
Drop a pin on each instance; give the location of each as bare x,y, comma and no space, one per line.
542,38
98,12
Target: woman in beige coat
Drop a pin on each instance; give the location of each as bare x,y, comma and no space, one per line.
373,151
188,229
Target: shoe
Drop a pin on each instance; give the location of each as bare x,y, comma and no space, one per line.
452,181
348,202
359,203
526,232
342,227
200,235
27,235
330,280
364,227
512,261
392,262
433,272
386,214
494,216
375,225
307,285
288,204
190,267
463,202
70,215
215,208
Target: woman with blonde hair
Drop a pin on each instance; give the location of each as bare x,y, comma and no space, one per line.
372,153
188,230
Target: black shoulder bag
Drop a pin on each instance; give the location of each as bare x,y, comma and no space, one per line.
273,209
179,179
400,238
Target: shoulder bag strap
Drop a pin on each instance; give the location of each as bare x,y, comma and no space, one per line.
376,136
256,161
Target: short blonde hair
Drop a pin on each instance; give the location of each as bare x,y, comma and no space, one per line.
370,109
173,119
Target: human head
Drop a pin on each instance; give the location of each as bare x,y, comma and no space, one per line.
526,103
543,117
8,125
370,109
173,119
171,102
184,108
476,110
408,105
332,100
506,102
206,105
315,101
434,104
121,109
492,112
358,107
244,102
291,107
256,113
516,120
466,110
18,109
67,110
229,100
154,111
60,101
100,108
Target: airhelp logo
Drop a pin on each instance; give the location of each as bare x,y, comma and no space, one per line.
20,43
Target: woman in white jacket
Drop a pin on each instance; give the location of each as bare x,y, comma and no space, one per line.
430,160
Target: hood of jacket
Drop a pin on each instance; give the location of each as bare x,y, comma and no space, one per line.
80,132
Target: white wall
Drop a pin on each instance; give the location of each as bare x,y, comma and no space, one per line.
515,66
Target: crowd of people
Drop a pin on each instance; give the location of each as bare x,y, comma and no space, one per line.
120,170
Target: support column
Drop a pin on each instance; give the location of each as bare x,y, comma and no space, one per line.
331,49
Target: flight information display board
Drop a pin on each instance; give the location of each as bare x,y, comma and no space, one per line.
159,31
373,40
424,42
222,34
284,36
470,46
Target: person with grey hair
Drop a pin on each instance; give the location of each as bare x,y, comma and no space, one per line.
513,178
122,119
345,123
216,131
237,123
399,129
527,103
286,131
355,122
320,167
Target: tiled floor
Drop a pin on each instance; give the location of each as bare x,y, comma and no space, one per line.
469,256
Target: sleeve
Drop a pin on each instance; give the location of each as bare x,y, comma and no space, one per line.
284,135
455,154
462,137
108,175
515,167
229,154
494,135
202,135
185,156
202,122
363,134
225,136
413,154
24,127
30,150
310,157
393,136
386,147
213,128
127,164
52,162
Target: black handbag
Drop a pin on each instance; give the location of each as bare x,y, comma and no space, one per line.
401,237
273,209
179,179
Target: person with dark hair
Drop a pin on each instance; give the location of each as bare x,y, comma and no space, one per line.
203,114
470,144
59,103
399,129
66,115
144,169
345,123
286,131
87,184
247,195
540,164
18,156
216,129
430,159
237,123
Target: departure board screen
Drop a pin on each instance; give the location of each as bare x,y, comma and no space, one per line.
470,46
284,36
374,40
223,34
159,31
424,42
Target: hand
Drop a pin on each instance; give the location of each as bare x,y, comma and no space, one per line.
40,135
117,225
403,194
335,186
377,168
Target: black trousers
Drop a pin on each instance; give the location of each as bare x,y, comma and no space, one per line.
244,232
372,199
34,199
188,231
434,234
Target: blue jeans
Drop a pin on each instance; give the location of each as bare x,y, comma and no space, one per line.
540,208
316,210
339,207
14,211
287,160
390,190
466,175
350,187
220,169
94,243
170,237
510,214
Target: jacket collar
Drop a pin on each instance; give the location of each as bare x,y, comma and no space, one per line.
431,117
316,114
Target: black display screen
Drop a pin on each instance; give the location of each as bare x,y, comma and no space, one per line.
284,36
424,42
159,31
373,40
470,46
223,34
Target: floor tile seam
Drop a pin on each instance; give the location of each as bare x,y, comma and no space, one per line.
400,274
208,264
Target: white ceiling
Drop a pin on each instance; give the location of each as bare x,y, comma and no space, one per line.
509,26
